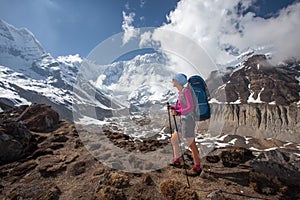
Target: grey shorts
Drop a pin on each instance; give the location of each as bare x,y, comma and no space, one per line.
187,126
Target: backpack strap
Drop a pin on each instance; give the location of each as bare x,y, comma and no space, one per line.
182,97
195,101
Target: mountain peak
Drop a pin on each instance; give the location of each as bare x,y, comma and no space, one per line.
18,47
258,81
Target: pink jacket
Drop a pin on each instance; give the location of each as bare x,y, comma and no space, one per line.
181,108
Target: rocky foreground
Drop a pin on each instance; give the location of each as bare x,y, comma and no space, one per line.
42,157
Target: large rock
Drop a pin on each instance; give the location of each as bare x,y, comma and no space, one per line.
36,117
274,170
14,141
15,127
39,118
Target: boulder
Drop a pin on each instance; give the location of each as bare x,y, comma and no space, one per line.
36,117
39,118
230,156
14,141
274,170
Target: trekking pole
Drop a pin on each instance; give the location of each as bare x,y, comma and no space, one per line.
169,118
187,178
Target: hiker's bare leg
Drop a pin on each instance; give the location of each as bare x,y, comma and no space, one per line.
195,152
175,145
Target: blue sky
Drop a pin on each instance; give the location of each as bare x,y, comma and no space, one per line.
76,26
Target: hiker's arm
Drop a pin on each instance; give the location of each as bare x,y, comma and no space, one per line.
177,107
189,101
175,110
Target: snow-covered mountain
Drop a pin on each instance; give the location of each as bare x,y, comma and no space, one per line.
256,80
33,76
143,80
29,75
18,47
70,83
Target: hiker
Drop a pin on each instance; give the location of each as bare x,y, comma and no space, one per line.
186,128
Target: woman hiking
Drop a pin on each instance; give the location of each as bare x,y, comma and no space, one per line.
186,130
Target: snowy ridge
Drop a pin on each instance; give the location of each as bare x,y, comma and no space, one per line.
6,90
256,80
140,81
29,75
27,67
9,78
18,47
237,62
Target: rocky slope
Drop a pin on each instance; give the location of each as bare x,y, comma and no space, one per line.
262,100
55,164
257,81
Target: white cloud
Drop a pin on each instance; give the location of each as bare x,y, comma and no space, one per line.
127,6
129,30
219,25
185,55
142,3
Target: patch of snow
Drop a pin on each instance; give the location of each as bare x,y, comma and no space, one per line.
257,100
89,121
70,59
247,140
287,144
270,149
254,149
297,154
236,102
232,141
222,137
214,100
221,144
222,87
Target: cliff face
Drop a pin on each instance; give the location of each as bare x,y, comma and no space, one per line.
258,120
256,99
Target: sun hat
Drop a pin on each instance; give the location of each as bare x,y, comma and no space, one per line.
180,78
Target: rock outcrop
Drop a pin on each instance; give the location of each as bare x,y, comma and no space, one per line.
14,141
270,173
16,126
257,98
38,117
257,80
